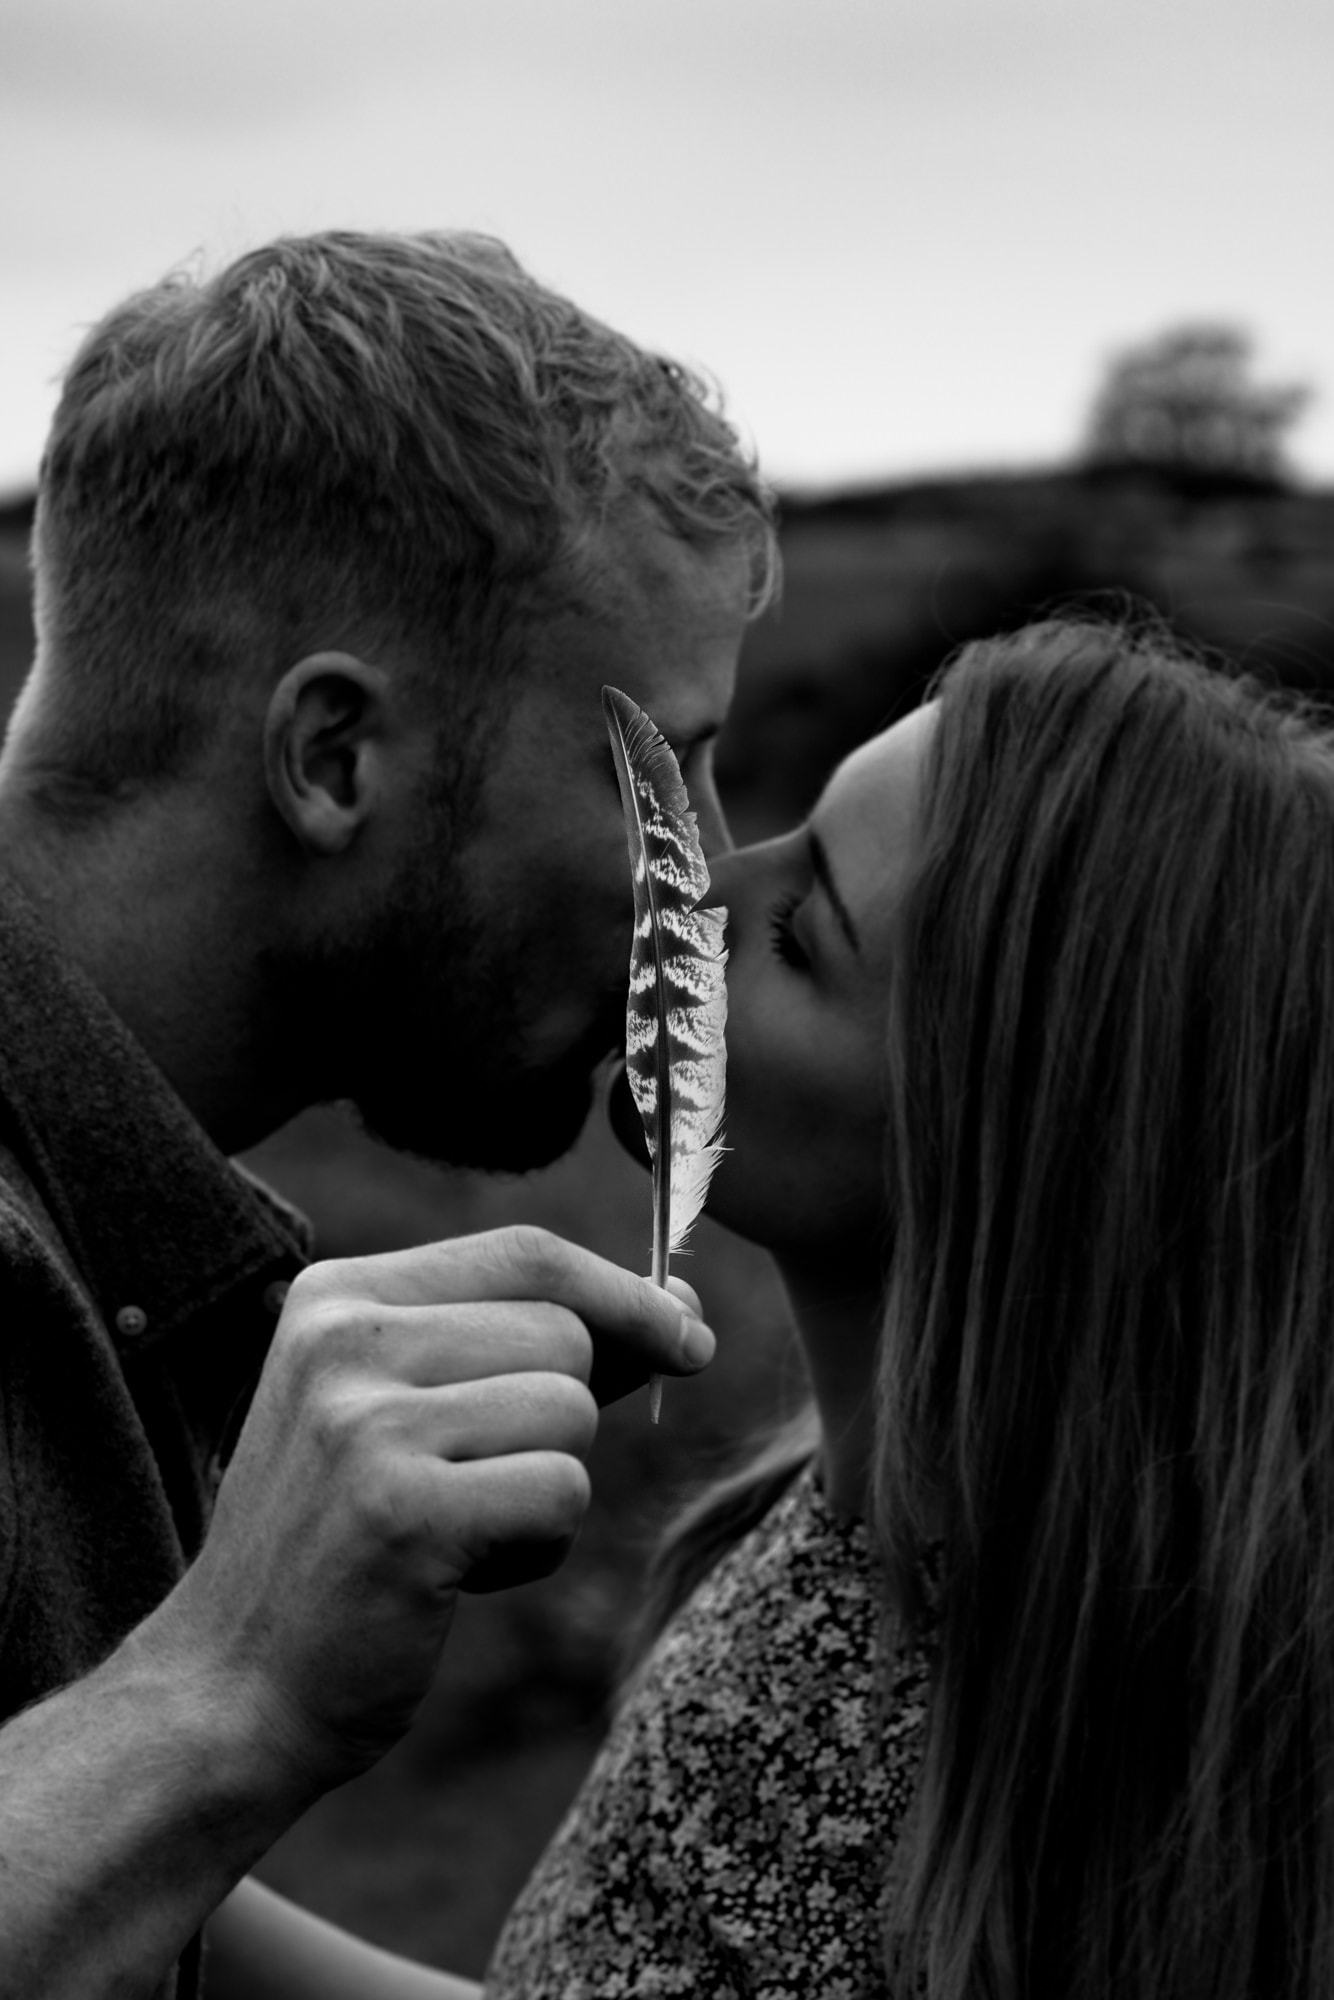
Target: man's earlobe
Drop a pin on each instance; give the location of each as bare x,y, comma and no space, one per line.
323,746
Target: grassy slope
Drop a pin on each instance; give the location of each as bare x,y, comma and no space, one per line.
426,1851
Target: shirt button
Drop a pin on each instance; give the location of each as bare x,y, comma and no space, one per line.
275,1296
131,1321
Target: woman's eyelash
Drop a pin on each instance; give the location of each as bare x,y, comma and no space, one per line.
781,934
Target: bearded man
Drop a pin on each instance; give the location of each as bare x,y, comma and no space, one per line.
308,797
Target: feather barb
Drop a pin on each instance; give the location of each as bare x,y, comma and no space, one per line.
676,1014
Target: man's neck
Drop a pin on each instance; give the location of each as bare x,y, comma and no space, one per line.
147,907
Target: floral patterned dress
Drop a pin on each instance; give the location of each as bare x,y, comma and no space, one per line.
733,1836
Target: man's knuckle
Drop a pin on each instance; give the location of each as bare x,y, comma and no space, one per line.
318,1333
327,1277
393,1518
336,1420
305,1290
539,1253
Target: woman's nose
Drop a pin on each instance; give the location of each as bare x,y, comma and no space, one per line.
752,875
722,874
714,835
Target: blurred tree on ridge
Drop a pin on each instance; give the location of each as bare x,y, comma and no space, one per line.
1187,401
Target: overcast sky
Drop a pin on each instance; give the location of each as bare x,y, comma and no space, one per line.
904,234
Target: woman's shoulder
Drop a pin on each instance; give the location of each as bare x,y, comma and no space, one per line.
754,1780
793,1608
799,1541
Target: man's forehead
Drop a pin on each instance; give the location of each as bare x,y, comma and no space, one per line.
639,567
661,619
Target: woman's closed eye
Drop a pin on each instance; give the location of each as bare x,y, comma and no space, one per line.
782,935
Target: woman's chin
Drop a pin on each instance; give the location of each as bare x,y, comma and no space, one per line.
625,1121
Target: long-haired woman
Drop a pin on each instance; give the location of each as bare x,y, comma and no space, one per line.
1060,1726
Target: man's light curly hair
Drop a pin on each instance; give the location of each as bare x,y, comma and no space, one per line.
342,439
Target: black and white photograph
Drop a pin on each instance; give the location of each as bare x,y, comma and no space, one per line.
666,1000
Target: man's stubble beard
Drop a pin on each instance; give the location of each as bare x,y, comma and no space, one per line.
436,1064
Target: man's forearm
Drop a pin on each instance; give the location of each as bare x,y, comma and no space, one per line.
420,1423
129,1805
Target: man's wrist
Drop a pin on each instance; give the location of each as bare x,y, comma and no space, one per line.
226,1742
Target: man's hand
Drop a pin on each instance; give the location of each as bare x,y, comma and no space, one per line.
419,1427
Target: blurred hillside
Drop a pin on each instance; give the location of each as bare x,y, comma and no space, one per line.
881,586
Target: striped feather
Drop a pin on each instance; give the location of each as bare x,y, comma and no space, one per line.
675,1054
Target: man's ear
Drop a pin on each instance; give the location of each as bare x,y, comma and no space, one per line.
324,747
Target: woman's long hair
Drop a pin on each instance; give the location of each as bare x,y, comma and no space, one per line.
1108,1365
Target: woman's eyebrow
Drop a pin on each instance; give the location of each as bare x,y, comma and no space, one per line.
824,876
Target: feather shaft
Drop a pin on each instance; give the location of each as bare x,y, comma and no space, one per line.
676,1013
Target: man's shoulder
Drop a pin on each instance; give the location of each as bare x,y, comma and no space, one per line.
126,1190
30,1240
88,1540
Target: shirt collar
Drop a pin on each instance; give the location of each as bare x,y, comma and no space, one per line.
160,1223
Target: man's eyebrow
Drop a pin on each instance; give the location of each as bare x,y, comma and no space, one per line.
824,876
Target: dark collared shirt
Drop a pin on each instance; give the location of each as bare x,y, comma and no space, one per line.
141,1275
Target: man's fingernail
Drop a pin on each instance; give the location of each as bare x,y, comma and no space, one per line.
697,1342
